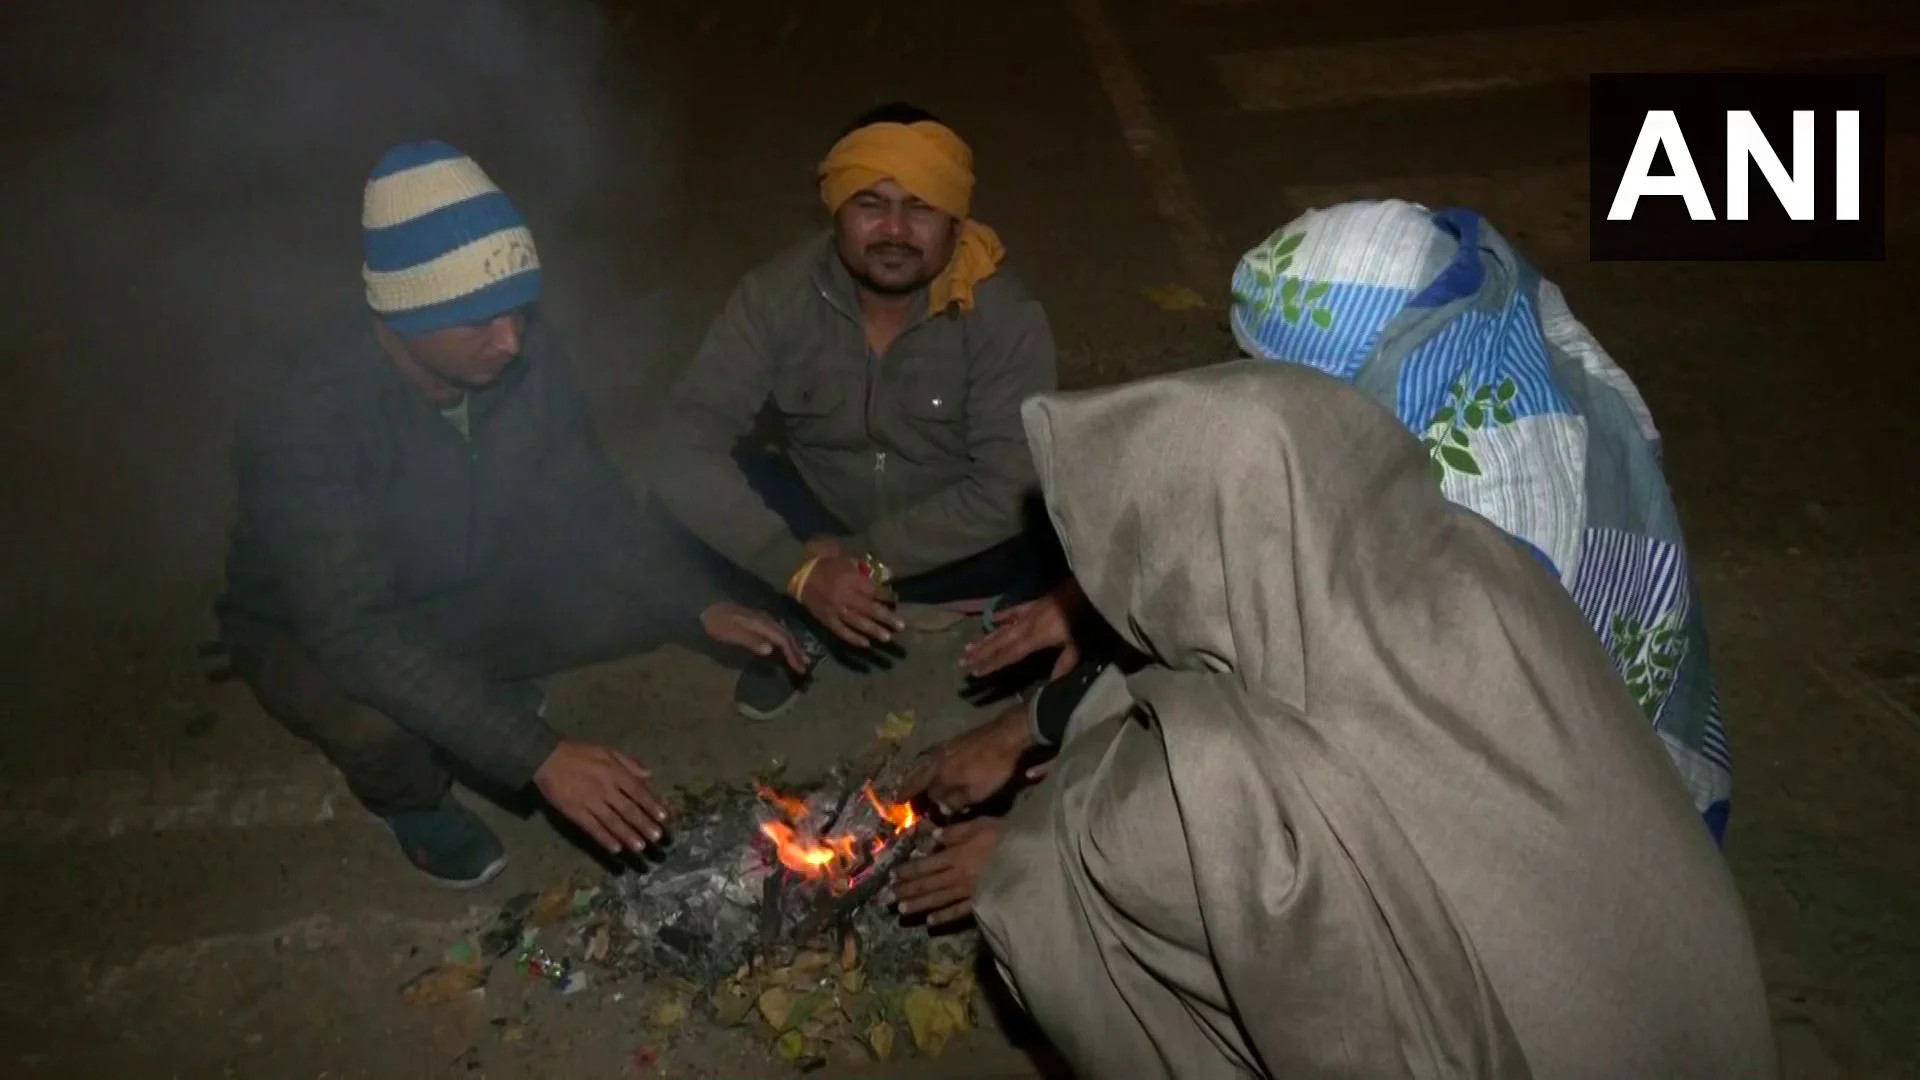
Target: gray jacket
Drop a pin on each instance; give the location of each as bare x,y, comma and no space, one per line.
920,451
366,524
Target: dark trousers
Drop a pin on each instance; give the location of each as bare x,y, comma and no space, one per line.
552,607
1018,569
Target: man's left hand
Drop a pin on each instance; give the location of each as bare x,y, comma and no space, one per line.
755,631
942,883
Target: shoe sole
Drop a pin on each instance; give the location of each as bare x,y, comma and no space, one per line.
485,877
763,715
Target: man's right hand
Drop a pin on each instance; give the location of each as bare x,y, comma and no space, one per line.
847,602
604,792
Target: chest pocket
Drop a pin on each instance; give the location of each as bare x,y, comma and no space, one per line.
933,404
816,407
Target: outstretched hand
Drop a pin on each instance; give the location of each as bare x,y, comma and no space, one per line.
942,882
606,793
1025,629
971,767
847,602
755,631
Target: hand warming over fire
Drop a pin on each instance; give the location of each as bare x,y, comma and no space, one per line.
1024,629
755,631
605,792
942,883
973,766
847,602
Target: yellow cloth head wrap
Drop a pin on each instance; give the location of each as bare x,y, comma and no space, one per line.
932,163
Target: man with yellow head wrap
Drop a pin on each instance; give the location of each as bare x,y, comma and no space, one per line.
895,351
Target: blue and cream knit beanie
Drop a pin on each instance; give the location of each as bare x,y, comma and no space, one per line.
444,246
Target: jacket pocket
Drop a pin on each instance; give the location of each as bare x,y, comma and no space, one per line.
934,408
817,411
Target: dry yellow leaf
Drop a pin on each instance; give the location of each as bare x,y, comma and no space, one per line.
443,984
669,1014
812,960
880,1038
944,970
853,981
896,727
1174,298
554,905
806,1007
932,1019
849,953
791,1046
776,1007
731,1006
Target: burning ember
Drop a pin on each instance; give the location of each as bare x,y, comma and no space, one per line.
833,858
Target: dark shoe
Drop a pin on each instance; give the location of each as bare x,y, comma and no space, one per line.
767,688
451,845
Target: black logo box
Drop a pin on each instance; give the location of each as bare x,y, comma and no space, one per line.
1661,229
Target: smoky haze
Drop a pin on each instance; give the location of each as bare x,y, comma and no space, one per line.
181,192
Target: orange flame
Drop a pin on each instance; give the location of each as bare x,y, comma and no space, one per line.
898,815
807,856
832,857
792,807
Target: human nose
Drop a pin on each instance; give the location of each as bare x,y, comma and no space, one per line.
504,335
893,223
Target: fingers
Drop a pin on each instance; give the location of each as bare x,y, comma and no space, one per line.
650,804
842,631
632,766
1013,613
788,647
591,825
761,635
638,825
922,876
932,893
870,618
1069,659
951,914
1042,770
1006,645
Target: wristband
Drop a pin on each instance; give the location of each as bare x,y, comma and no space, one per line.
799,579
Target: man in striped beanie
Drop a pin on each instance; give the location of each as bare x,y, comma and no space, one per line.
427,523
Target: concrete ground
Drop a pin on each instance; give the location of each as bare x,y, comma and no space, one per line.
188,892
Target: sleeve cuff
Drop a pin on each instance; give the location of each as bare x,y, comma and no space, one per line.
776,560
1051,710
527,747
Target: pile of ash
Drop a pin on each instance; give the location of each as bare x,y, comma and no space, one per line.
720,921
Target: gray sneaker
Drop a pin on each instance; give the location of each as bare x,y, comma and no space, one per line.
450,844
768,688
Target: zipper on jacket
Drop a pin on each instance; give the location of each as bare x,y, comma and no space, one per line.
473,502
866,410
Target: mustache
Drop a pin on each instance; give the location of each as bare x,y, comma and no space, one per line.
893,248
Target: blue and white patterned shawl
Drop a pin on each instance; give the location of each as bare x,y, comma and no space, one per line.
1527,420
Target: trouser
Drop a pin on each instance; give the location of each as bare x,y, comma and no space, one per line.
1014,570
552,610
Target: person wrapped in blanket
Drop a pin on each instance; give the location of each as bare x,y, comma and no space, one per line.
1525,420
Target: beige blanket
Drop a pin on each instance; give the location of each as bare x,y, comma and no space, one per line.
1383,811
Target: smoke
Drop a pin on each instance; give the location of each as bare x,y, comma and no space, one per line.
182,197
